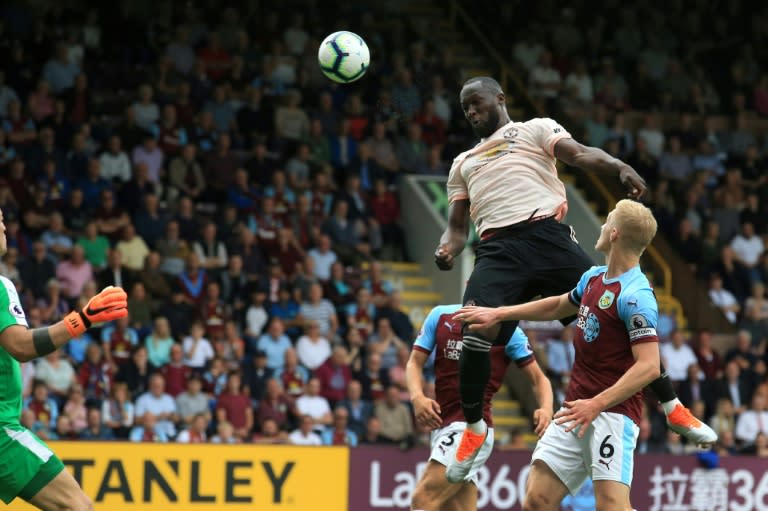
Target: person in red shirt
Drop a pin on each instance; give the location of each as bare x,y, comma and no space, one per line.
276,405
292,376
95,375
234,407
195,434
216,58
334,375
270,433
214,312
175,372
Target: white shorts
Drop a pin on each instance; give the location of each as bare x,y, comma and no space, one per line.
605,453
445,441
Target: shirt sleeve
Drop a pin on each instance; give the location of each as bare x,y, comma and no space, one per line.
548,132
577,292
457,188
519,349
11,312
425,341
640,313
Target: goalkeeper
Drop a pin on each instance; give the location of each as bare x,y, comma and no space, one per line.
28,468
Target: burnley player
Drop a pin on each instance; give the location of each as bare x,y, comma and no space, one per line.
617,354
442,334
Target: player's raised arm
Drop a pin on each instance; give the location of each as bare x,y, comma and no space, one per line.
454,238
593,158
546,309
24,344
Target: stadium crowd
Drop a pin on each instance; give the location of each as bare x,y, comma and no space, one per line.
244,202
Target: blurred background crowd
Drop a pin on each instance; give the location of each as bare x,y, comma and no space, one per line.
198,158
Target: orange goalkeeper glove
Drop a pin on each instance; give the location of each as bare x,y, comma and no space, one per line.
110,304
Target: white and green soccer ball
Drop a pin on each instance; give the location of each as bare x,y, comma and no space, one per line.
343,57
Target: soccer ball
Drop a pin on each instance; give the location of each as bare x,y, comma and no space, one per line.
343,57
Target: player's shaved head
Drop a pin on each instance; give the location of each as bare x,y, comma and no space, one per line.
486,83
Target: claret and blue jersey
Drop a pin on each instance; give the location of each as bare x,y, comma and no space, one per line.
613,314
442,335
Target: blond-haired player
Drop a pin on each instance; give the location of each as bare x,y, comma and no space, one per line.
617,355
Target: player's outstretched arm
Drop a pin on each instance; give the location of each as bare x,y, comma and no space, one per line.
546,309
24,344
593,158
542,389
454,238
426,411
582,412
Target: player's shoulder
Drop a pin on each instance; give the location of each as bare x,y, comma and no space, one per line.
636,289
442,310
538,122
7,289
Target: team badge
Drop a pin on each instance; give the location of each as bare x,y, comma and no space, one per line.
591,327
606,300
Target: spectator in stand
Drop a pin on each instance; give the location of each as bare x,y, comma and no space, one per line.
274,343
312,348
151,156
373,378
148,429
145,109
696,388
724,418
286,309
74,273
150,222
411,151
95,373
675,164
185,175
196,431
270,433
136,372
53,307
44,408
386,212
119,340
276,405
320,310
335,375
215,378
219,170
256,374
55,239
736,278
747,247
292,376
114,162
324,257
160,406
175,372
345,235
132,248
58,374
361,314
677,356
286,251
211,252
159,343
197,349
75,409
752,421
743,352
385,342
192,282
735,386
359,410
305,434
755,318
225,434
338,433
256,316
173,250
214,312
708,358
95,428
60,71
313,404
117,411
397,375
560,357
373,434
110,219
38,270
723,299
396,423
234,407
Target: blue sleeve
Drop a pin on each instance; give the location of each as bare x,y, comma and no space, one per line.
577,292
518,348
183,139
426,338
639,311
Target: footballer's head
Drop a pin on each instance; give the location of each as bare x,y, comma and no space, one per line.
483,104
630,226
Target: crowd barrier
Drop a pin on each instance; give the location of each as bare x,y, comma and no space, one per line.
174,477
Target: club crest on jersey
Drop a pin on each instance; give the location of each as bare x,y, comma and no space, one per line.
591,327
606,300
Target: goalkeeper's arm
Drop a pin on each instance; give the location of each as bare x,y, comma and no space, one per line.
24,344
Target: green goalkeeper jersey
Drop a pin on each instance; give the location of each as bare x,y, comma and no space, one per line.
11,313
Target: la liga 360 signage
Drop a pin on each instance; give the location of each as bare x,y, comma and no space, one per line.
173,477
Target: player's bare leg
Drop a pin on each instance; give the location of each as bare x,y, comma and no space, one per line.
464,500
544,490
433,489
611,496
62,494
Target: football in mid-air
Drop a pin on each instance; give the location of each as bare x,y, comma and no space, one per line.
343,57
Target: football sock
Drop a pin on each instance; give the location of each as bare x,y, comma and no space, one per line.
662,387
668,406
474,372
479,427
